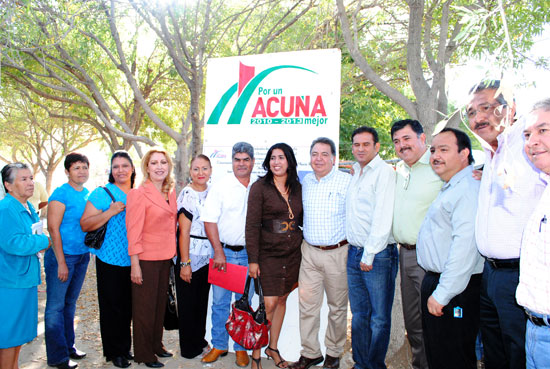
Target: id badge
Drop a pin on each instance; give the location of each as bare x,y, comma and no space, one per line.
457,312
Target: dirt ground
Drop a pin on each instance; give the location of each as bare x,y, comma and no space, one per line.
88,339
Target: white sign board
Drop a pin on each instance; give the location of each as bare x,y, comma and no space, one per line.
291,97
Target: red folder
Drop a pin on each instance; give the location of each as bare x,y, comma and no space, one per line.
232,279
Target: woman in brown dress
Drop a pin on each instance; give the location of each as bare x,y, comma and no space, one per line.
273,239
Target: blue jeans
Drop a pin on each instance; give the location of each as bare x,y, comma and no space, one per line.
371,298
537,344
61,305
221,304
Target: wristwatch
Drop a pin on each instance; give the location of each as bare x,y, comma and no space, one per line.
187,263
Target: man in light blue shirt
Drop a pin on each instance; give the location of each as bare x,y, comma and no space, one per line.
372,258
324,257
447,250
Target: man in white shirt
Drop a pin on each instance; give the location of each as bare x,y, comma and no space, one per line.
372,259
324,257
224,219
509,190
533,291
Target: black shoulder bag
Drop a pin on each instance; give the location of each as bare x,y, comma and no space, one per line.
94,239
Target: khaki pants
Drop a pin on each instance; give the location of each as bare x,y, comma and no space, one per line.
323,271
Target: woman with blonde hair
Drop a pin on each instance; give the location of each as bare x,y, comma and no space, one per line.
151,216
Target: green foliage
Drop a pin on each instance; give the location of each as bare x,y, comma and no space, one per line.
364,105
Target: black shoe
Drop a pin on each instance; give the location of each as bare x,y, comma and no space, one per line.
128,356
305,362
155,364
119,361
165,354
331,362
66,365
77,354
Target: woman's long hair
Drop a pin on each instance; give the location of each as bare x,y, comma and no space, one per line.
292,180
168,183
125,155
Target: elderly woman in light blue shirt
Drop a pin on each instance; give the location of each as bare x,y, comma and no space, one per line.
21,229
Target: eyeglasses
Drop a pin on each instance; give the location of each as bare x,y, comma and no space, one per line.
487,108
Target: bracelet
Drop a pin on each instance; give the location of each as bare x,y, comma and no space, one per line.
187,263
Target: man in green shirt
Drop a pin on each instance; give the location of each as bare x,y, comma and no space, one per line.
416,188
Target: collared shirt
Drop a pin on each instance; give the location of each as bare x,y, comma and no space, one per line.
369,207
534,278
510,189
415,190
226,206
324,203
446,241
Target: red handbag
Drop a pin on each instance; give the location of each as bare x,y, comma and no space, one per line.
247,327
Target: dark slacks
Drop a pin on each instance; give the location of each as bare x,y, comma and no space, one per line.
411,280
451,341
114,293
503,321
148,308
192,309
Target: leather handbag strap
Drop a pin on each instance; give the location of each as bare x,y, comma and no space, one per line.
109,193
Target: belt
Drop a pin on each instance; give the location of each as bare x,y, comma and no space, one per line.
332,247
198,237
407,246
279,226
536,320
232,248
503,263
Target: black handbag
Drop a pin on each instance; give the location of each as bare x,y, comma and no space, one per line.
94,239
171,321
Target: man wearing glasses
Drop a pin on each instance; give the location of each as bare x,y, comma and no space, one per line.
509,190
416,187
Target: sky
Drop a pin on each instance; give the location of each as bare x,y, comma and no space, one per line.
531,83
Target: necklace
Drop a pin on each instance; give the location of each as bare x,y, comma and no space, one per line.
284,194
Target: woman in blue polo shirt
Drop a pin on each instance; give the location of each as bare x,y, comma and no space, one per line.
114,286
22,239
65,263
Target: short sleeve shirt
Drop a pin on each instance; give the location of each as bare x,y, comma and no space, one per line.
114,250
72,235
191,204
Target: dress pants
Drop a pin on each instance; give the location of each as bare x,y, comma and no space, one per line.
323,271
411,279
114,293
503,321
192,309
450,339
148,307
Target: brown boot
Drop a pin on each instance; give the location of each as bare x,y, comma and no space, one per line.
213,355
242,358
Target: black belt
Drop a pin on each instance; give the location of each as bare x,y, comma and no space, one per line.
198,237
232,248
503,263
538,321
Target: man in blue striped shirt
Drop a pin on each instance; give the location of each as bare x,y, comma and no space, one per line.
324,257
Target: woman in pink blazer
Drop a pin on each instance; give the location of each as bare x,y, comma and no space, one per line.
151,214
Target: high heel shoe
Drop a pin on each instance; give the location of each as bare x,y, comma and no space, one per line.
258,363
281,363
